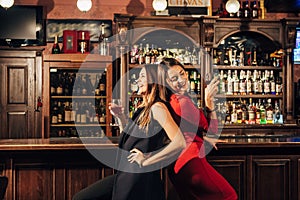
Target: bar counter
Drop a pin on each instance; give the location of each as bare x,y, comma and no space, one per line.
257,166
61,144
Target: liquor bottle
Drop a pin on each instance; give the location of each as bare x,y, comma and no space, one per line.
60,112
198,86
269,112
133,54
251,112
65,83
67,112
278,85
254,60
147,54
79,84
255,81
83,113
101,41
226,59
249,83
263,119
266,83
83,45
278,118
222,86
195,78
131,108
216,59
78,109
55,47
272,83
254,10
187,56
102,113
53,83
192,83
72,78
195,56
102,85
236,83
141,57
54,113
246,10
96,86
260,83
242,84
133,84
257,113
73,107
241,59
60,89
228,113
83,86
88,85
240,13
245,112
229,83
239,112
233,115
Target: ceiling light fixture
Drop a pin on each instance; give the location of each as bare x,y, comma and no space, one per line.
84,5
159,5
232,6
6,3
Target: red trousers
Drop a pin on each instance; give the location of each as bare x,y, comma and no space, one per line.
198,180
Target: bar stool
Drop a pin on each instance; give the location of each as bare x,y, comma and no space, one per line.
3,186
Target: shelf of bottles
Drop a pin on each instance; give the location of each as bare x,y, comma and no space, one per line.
251,82
248,9
78,103
151,54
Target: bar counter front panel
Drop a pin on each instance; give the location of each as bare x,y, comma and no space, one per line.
258,167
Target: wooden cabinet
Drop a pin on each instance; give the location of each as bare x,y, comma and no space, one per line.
77,89
207,34
21,85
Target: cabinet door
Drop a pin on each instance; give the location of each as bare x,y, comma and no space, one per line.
271,178
233,169
17,98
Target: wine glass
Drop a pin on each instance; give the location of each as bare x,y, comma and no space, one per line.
116,109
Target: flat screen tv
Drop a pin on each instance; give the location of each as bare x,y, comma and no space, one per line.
297,46
22,26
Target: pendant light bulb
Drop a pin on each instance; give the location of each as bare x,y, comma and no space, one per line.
232,6
6,3
84,5
159,5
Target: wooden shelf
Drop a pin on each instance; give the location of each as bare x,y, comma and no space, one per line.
256,96
227,67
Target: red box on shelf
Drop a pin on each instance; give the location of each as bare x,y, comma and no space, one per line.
70,41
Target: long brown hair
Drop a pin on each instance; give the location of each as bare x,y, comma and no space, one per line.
156,91
168,63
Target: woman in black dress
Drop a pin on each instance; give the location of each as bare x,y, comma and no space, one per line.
151,140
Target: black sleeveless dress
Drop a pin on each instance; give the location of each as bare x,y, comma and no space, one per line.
131,181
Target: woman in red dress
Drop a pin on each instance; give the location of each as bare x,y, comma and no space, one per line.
192,176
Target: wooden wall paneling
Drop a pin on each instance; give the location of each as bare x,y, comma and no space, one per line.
271,178
233,169
79,177
33,180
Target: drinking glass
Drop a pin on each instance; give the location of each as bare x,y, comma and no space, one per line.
116,108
